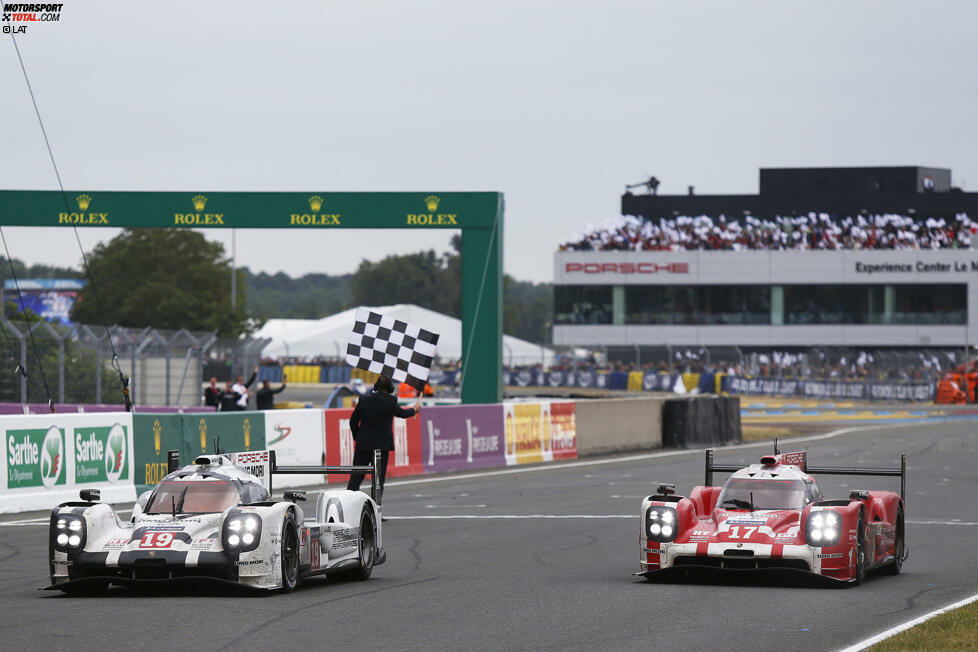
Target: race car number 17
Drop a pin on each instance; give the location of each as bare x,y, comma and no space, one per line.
156,540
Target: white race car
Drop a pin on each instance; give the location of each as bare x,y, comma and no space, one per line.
215,519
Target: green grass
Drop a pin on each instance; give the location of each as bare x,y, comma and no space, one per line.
954,630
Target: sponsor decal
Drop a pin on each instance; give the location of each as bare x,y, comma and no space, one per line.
203,544
250,562
831,555
36,458
627,268
198,218
283,432
432,217
745,521
62,562
101,454
115,543
315,218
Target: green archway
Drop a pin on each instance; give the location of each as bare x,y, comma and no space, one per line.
479,215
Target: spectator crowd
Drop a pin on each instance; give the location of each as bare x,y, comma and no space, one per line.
812,231
918,365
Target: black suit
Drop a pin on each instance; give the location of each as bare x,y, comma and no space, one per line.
372,425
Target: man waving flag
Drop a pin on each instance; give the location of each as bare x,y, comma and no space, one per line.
391,347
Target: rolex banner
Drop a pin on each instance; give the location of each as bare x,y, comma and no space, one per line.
154,435
49,458
192,435
234,432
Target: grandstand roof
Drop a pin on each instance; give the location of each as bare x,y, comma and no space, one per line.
840,191
327,337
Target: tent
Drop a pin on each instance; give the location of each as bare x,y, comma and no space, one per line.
326,337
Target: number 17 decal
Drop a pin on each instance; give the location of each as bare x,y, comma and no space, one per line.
735,532
156,540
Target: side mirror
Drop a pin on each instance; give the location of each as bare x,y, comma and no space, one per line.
295,496
90,495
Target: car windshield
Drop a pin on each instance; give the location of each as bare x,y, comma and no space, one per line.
746,493
192,497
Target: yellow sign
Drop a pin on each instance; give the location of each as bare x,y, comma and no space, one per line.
315,218
198,218
431,218
157,431
529,433
246,428
82,217
203,434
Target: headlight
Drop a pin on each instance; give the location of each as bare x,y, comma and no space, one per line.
660,523
823,528
241,532
69,532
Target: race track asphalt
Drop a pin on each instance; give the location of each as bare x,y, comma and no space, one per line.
547,579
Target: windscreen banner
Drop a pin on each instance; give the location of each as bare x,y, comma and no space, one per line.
458,437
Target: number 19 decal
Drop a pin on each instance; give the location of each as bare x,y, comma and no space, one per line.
156,540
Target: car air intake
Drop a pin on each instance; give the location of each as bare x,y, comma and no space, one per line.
738,553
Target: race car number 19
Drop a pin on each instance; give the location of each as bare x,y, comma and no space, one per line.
156,540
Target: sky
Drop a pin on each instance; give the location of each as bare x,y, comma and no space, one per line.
555,104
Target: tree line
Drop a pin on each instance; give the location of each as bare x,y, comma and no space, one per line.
176,278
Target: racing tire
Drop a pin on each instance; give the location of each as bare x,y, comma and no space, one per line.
860,550
366,548
290,554
898,547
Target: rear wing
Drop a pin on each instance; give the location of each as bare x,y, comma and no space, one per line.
375,491
901,472
262,464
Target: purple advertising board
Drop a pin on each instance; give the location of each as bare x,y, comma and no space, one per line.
458,437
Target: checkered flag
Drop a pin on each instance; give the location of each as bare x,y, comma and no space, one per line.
391,347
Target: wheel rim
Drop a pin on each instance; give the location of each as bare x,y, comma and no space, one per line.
290,553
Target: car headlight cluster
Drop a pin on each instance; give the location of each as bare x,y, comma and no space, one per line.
242,532
661,523
69,532
823,528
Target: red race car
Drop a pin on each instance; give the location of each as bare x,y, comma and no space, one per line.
772,516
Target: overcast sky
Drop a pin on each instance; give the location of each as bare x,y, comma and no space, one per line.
555,104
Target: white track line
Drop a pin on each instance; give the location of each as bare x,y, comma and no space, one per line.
632,458
427,517
873,640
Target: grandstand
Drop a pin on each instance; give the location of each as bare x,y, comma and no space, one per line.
851,258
